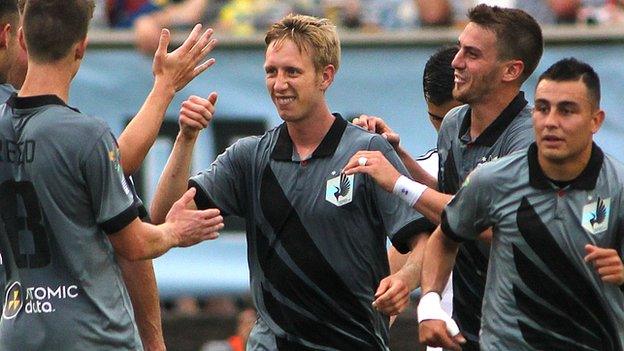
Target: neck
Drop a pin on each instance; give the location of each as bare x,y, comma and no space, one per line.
307,133
47,79
484,112
565,170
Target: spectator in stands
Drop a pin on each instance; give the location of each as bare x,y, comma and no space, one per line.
244,323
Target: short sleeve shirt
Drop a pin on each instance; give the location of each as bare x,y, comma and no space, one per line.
459,154
316,237
540,293
60,174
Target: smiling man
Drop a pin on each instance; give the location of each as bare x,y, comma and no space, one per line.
555,274
316,237
498,50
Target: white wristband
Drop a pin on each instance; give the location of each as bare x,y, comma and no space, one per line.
429,308
408,190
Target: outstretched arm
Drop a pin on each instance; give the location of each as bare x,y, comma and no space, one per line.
423,199
182,227
172,72
195,115
377,125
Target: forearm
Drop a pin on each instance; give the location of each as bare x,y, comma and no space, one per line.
141,284
417,172
173,181
140,134
438,262
431,204
412,267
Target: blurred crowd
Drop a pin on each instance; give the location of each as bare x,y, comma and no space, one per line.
246,17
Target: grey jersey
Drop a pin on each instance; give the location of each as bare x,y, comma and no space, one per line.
6,90
316,238
62,190
540,293
511,131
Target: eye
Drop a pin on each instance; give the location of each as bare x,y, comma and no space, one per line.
292,71
270,71
541,108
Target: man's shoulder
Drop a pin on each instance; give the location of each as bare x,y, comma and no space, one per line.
503,167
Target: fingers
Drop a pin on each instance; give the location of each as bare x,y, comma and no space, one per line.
186,198
354,167
163,44
191,40
197,112
204,66
433,333
202,43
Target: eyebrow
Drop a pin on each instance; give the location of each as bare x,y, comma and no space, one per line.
434,116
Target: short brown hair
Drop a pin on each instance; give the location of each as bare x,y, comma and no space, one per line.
316,36
52,27
518,35
8,12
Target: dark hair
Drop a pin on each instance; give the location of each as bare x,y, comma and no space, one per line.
52,27
571,69
8,12
438,76
518,35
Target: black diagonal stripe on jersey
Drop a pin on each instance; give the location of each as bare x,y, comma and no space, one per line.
296,241
321,334
555,310
543,244
566,312
548,342
469,287
290,284
451,181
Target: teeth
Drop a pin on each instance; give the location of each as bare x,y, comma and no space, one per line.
285,100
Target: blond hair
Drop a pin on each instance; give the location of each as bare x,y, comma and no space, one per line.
315,36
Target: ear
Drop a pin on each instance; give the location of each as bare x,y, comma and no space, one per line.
597,120
513,70
21,39
4,35
81,48
327,77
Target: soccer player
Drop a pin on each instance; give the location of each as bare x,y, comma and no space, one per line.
316,237
498,50
62,183
555,276
438,81
12,58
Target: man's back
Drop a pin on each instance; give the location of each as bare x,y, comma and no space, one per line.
61,175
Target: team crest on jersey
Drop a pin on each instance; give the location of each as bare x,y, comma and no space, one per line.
339,190
596,216
13,301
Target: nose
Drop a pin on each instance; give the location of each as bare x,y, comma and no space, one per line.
458,60
281,82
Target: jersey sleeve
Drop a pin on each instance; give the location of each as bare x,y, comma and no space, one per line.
222,185
400,221
468,214
112,198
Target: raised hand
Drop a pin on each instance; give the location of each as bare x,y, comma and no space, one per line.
179,67
189,227
195,114
377,125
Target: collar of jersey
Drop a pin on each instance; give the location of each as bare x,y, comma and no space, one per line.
496,128
27,102
283,150
585,181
